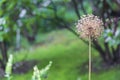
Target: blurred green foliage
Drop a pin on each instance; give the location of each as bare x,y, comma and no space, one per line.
112,38
68,54
35,18
32,17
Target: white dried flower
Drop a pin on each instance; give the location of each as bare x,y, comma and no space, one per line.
89,26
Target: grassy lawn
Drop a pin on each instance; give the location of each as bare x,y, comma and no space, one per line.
68,53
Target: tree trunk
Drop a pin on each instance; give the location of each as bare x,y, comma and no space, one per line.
116,55
4,54
30,38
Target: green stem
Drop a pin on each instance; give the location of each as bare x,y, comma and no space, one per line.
8,78
89,58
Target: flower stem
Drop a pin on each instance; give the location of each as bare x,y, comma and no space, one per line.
89,58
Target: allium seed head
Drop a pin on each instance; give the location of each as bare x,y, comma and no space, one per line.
89,26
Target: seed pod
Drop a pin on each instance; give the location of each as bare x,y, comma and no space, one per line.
89,26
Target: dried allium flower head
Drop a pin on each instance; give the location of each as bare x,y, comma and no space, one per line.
90,26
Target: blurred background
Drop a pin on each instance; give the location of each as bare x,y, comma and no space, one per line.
38,31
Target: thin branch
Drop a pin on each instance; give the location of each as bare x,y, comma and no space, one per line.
101,51
76,8
82,6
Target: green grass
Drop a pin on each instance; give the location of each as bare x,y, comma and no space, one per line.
68,53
